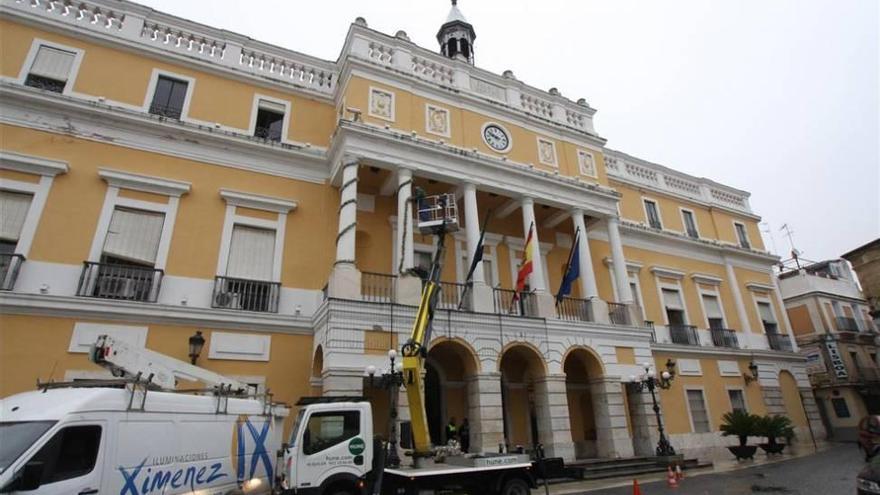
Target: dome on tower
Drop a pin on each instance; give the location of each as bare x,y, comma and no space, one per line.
457,35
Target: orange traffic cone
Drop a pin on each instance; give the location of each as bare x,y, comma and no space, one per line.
636,489
678,472
671,480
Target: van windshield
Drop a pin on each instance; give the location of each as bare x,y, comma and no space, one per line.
16,437
295,428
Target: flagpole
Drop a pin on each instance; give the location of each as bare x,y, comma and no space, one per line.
468,281
571,255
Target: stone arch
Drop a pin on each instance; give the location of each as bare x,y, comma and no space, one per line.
523,372
316,380
583,367
451,367
791,399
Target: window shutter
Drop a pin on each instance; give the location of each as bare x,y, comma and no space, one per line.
713,307
52,63
766,312
698,411
134,235
672,299
251,253
272,106
13,210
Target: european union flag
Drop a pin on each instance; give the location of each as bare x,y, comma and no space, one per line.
572,272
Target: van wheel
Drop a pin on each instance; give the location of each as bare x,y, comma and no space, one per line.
515,486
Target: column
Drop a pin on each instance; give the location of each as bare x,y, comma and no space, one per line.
784,313
345,279
598,307
554,424
408,286
644,422
738,300
612,437
480,293
485,412
343,382
618,262
544,301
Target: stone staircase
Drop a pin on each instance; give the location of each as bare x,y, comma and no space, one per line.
594,469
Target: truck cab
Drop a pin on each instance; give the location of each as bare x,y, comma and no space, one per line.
331,446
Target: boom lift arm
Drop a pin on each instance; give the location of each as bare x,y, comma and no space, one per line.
441,218
128,361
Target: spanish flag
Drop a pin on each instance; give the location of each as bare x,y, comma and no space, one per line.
525,268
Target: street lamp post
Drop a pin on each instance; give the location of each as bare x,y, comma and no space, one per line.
649,381
390,380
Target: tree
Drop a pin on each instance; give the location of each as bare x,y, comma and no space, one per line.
740,424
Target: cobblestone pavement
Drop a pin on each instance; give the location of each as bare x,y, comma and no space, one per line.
829,472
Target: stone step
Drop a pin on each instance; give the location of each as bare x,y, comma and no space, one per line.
623,468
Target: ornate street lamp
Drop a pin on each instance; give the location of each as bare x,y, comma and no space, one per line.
196,342
649,380
391,380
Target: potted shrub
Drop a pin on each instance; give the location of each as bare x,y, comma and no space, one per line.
774,427
742,425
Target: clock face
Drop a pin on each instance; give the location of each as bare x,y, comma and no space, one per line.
496,137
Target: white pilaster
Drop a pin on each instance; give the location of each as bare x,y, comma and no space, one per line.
737,298
404,220
345,280
618,262
480,293
781,304
536,279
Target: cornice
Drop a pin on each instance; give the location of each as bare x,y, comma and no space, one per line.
716,352
157,185
32,164
257,201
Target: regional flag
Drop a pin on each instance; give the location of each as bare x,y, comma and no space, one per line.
525,268
572,271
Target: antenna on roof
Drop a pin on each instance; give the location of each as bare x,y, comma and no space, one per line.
767,230
794,252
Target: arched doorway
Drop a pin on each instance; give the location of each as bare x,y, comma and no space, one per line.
791,398
521,367
448,370
581,366
316,379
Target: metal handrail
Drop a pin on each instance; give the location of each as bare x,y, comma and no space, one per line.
779,342
451,294
267,133
10,264
723,337
571,308
120,281
165,111
684,334
526,304
245,294
618,313
378,287
847,324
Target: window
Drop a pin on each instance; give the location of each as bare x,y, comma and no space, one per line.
168,97
699,414
674,307
690,225
70,453
767,318
742,235
713,311
50,69
840,408
133,237
270,121
251,253
652,214
737,400
14,208
326,429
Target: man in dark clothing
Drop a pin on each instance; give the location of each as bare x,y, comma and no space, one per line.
451,430
464,435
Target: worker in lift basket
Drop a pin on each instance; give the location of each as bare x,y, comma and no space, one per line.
422,205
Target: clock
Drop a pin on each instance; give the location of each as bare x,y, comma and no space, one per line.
496,137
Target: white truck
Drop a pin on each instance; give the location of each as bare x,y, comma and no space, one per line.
136,435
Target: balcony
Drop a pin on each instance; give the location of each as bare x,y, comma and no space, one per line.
722,337
378,287
168,111
573,309
9,266
451,295
684,334
508,302
779,342
120,282
618,314
245,295
846,324
268,133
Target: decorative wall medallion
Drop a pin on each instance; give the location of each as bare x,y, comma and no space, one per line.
546,152
496,137
586,163
437,120
381,104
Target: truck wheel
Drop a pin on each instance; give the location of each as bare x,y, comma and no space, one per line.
515,486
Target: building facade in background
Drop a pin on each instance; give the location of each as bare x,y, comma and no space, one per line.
830,317
865,262
162,177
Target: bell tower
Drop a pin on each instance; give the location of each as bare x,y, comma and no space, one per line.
456,36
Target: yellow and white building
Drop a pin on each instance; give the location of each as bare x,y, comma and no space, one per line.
162,177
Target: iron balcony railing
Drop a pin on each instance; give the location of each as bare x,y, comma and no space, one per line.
268,133
618,313
570,308
693,234
525,304
172,112
10,264
723,337
846,324
40,82
684,334
378,287
246,295
120,281
451,294
779,342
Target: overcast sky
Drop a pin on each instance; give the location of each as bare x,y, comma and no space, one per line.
779,98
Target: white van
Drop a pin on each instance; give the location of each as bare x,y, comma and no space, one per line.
116,441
